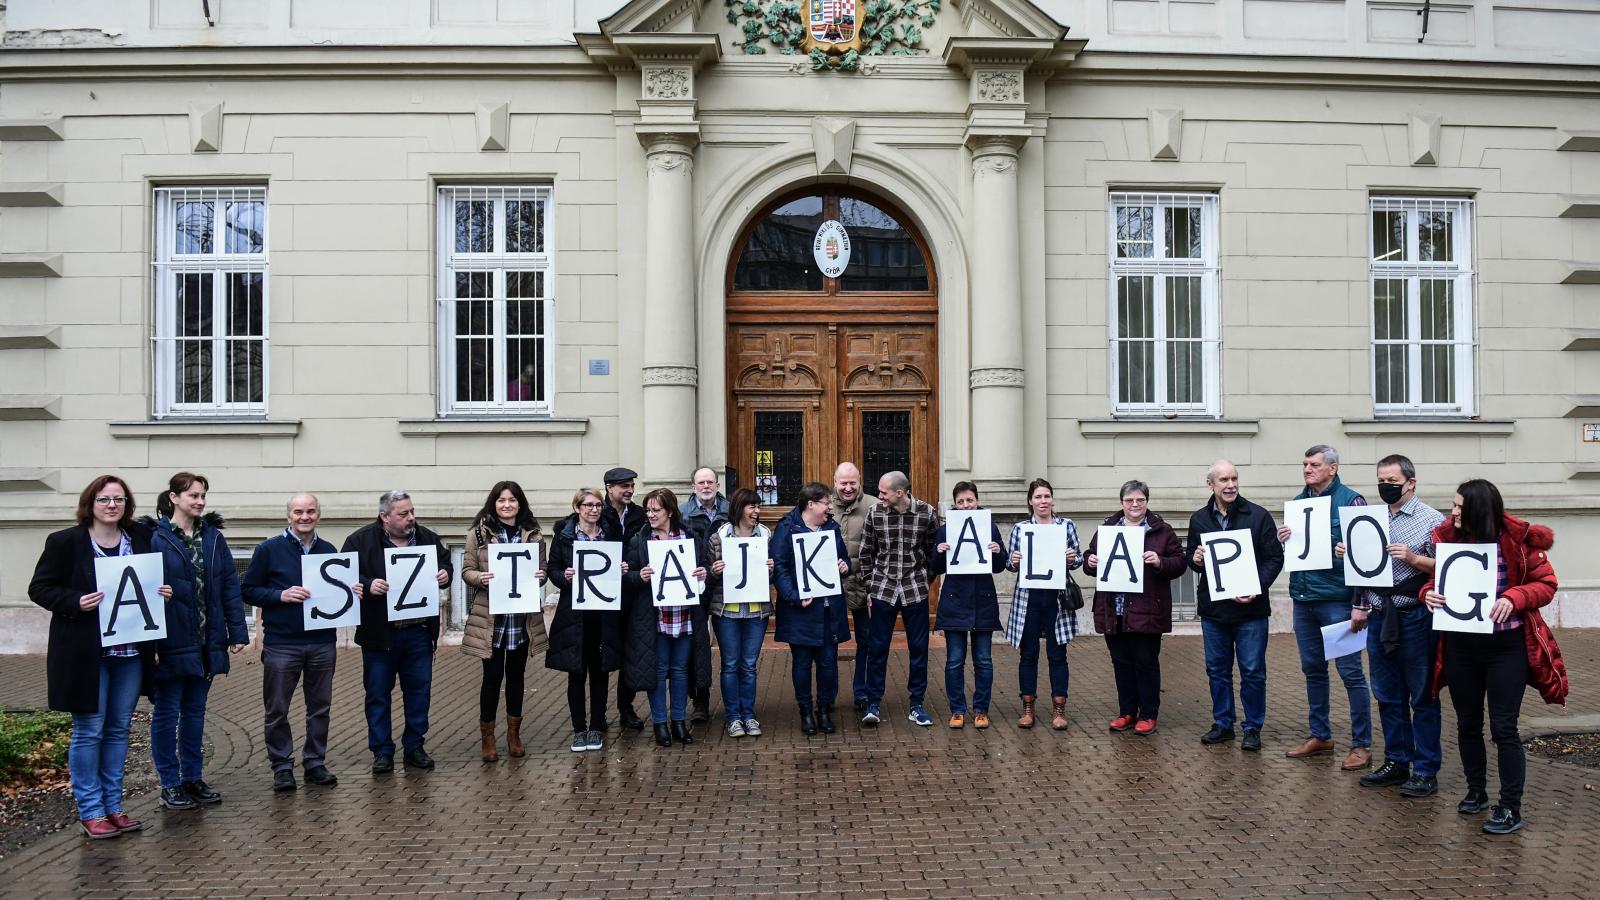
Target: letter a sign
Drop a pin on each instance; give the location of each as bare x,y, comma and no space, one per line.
967,531
673,583
1120,549
132,610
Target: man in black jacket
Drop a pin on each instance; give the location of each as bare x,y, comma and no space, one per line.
1236,626
623,516
402,649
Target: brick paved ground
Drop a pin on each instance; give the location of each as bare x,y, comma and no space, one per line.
896,812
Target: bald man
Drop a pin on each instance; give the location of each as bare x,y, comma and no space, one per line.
850,506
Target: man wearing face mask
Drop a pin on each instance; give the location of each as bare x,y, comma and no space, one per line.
1400,639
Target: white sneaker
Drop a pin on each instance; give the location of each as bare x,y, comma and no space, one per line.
752,728
735,728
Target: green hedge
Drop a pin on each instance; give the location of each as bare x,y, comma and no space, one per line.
22,739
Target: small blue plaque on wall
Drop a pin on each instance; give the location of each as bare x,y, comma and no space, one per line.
599,367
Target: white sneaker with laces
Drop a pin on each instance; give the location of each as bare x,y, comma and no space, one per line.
752,728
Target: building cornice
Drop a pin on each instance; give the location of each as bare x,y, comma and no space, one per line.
209,63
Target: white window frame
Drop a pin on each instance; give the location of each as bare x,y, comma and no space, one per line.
1159,266
218,264
497,261
1413,271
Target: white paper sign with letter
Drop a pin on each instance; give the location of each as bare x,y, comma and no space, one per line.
967,533
672,581
1366,546
515,586
816,565
744,573
1468,577
332,604
1044,557
1120,566
413,576
133,609
597,576
1310,521
1231,564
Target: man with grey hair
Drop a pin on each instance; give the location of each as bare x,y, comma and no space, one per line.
1322,598
391,650
289,652
895,544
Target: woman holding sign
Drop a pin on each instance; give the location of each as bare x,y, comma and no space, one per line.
1514,649
969,612
503,642
1133,621
586,644
205,622
675,625
741,626
810,564
1043,612
98,685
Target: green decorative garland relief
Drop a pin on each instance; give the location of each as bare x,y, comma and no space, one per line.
773,21
888,27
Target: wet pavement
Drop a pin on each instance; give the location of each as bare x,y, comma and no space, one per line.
897,811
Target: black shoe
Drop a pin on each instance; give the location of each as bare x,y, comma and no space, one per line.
321,775
1252,740
283,781
702,710
1502,820
861,705
382,763
1473,803
1420,786
201,792
808,722
177,798
418,759
629,720
825,721
1217,735
1389,774
663,736
680,732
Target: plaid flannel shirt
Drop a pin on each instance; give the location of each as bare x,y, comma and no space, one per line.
894,552
1413,526
1066,619
673,621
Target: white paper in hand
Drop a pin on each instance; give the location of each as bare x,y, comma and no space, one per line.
1044,557
413,576
744,573
133,609
1120,566
597,576
816,565
1338,640
1231,564
332,604
1468,577
1366,546
672,581
515,586
1310,522
967,533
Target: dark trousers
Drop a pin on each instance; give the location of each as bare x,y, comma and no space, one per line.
1402,685
1136,664
508,666
595,676
1040,622
825,661
916,619
1492,667
410,660
282,669
862,620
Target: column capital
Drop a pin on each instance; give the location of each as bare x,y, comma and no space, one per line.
668,140
988,142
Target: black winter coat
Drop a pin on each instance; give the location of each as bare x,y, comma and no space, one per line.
368,543
967,602
567,628
639,622
186,652
1269,560
804,625
64,573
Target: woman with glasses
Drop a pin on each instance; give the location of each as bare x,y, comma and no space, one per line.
586,644
741,627
98,685
674,626
813,627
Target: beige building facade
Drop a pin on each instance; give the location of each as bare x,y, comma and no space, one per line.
431,244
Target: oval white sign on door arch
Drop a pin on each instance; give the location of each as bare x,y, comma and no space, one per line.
831,249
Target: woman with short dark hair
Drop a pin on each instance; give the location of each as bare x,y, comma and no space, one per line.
741,627
969,614
813,627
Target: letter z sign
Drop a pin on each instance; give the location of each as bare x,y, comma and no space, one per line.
412,573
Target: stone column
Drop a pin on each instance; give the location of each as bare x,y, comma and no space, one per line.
996,325
670,373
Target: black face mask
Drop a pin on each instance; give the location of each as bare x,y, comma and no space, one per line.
1391,493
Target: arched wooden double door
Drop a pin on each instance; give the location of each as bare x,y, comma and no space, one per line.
825,368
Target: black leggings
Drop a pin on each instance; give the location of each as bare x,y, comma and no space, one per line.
510,666
595,675
1493,667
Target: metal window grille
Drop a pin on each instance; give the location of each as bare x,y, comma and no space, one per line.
496,301
1421,291
211,315
1162,292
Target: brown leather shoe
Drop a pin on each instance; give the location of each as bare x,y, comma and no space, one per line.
1058,713
514,737
1026,719
486,734
125,822
1312,747
98,828
1359,758
958,721
980,720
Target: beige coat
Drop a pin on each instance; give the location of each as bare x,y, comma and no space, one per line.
478,638
852,518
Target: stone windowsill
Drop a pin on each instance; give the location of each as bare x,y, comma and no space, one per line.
496,425
1429,426
1106,428
262,428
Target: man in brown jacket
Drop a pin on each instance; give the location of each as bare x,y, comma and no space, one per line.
850,508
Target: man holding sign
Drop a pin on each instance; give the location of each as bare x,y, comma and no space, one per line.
1237,625
290,651
895,544
1323,598
400,649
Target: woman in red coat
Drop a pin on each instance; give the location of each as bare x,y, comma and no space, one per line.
1496,666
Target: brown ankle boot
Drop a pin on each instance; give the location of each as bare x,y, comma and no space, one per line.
1058,713
1026,719
486,732
514,737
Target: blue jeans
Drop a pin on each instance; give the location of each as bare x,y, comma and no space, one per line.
1400,683
1247,640
1309,617
99,749
178,728
672,671
882,627
410,659
955,663
862,621
1040,622
739,641
825,660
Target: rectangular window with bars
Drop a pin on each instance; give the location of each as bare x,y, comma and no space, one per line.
1421,289
496,301
210,301
1163,304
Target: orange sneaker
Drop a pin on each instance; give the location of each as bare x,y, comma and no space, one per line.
1121,723
958,721
980,721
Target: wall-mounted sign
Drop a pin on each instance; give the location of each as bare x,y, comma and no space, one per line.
1591,432
832,248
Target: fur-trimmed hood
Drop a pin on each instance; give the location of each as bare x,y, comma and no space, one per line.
1521,531
214,519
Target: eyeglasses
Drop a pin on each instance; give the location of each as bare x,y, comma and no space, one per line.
111,501
591,505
